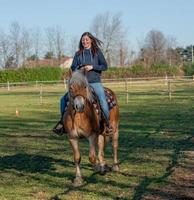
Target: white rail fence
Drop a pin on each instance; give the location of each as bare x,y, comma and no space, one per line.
126,87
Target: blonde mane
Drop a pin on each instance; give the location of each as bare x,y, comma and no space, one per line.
80,79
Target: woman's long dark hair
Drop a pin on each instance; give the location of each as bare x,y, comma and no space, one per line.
95,45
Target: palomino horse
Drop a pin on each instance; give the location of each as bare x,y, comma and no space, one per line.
82,120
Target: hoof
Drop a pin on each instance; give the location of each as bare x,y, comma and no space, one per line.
102,170
107,168
77,182
97,168
115,168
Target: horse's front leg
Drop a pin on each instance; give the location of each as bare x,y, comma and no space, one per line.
92,154
78,181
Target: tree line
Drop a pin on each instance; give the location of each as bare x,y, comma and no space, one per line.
20,44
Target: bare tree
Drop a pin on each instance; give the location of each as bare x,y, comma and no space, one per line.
50,40
121,54
5,49
25,45
73,45
126,55
36,43
109,29
59,42
172,55
55,41
153,51
15,33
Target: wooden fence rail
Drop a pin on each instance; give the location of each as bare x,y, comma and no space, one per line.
126,86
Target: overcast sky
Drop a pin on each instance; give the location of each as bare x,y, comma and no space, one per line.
172,17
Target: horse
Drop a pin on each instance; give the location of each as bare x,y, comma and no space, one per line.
82,120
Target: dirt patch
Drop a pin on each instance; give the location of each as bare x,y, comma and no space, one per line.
180,184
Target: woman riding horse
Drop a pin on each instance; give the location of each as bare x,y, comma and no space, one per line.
89,57
81,119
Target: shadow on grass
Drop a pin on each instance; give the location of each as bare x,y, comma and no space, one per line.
31,163
93,179
23,124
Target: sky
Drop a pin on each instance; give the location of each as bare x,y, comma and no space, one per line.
175,18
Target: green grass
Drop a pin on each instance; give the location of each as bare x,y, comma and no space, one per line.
35,164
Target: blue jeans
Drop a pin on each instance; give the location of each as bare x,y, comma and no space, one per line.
63,103
99,90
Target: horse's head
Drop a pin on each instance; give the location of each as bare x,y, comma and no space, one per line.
79,90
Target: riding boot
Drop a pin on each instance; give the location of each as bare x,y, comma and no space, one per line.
59,128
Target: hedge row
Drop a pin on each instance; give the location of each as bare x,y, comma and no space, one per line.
30,74
140,71
56,73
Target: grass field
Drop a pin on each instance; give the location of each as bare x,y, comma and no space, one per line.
156,143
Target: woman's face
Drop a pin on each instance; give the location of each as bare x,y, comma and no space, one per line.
86,42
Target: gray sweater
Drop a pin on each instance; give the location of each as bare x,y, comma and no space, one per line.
86,58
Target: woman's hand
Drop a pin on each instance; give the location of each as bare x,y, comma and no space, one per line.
88,67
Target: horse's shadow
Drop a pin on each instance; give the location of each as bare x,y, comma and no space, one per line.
28,163
33,164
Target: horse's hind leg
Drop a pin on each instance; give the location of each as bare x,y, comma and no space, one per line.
77,159
115,150
92,155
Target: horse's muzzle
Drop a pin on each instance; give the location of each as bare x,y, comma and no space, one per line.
79,103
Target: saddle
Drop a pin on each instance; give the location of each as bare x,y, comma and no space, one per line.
109,98
110,101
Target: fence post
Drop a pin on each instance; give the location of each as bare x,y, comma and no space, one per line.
41,93
36,84
8,86
126,90
169,90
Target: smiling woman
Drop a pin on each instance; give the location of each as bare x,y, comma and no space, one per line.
86,42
